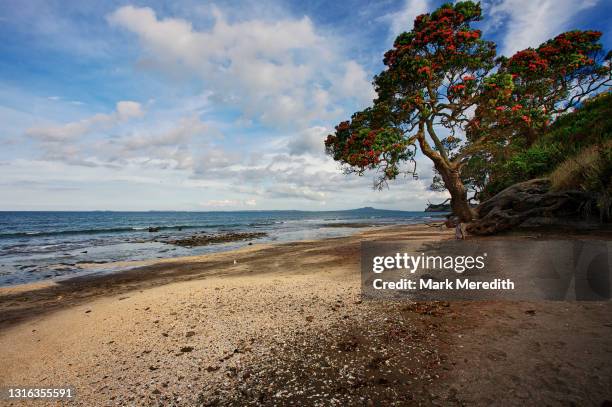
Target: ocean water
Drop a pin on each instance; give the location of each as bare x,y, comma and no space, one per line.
36,246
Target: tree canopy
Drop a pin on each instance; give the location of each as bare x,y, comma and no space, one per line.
445,92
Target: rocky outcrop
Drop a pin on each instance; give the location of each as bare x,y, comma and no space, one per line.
203,240
523,201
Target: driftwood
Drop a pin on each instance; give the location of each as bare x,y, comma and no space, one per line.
523,201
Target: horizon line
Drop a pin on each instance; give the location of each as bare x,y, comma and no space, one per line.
200,211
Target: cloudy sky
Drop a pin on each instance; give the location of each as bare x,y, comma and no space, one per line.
188,105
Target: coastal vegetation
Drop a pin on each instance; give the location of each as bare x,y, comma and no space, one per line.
488,122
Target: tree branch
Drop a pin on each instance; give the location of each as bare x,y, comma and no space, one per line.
436,140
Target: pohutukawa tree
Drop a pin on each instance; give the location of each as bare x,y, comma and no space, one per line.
519,102
444,92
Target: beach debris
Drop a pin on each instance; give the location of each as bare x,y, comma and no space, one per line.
530,312
189,334
433,308
186,349
88,311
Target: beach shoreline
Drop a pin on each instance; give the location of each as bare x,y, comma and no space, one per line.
38,246
285,324
48,295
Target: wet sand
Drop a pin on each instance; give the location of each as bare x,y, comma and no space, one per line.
285,325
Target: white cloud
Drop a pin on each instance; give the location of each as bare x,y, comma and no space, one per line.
214,160
416,192
60,133
529,23
278,71
177,135
189,153
403,20
225,203
355,83
125,110
309,141
158,144
172,147
294,191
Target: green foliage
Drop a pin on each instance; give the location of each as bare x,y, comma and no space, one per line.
589,171
531,89
523,166
588,125
571,134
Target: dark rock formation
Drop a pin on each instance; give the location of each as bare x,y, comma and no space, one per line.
203,240
523,201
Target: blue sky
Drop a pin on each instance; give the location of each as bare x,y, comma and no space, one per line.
190,105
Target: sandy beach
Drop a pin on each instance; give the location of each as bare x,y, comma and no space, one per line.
285,325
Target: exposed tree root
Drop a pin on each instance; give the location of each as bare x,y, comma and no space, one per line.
522,201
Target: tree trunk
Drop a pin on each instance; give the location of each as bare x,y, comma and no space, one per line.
449,173
459,202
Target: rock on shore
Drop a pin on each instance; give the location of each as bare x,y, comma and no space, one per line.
203,240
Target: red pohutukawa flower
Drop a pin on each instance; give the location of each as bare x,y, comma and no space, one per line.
563,54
